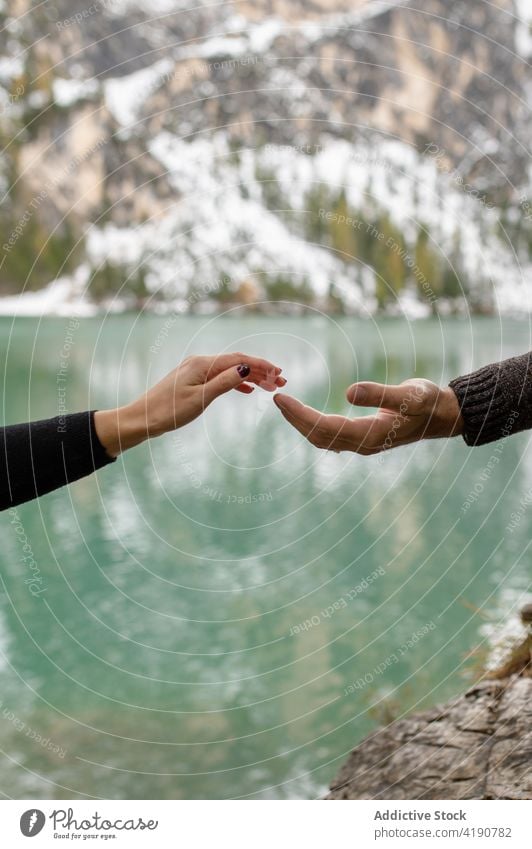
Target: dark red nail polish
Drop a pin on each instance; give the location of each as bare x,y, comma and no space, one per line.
243,370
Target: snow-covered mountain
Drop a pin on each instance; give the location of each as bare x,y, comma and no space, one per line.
354,156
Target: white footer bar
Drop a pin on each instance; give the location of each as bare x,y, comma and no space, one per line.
266,824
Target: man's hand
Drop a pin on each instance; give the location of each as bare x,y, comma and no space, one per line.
182,396
413,410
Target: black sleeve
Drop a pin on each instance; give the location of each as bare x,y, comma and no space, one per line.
37,457
496,400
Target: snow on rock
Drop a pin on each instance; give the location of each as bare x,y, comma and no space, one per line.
67,92
124,96
523,36
217,46
119,8
10,68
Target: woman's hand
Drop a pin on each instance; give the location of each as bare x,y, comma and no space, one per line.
414,410
182,396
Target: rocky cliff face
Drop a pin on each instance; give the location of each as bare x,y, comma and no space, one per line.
353,155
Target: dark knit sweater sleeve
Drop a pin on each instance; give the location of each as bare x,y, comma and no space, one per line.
37,457
496,400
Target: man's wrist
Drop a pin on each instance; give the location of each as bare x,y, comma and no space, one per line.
447,414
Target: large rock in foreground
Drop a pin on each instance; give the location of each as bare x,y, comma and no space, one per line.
478,746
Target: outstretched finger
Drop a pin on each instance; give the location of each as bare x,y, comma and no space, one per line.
320,429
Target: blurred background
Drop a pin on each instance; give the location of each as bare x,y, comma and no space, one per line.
153,150
345,189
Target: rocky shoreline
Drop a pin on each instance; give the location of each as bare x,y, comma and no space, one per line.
476,746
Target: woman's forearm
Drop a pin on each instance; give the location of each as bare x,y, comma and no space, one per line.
38,457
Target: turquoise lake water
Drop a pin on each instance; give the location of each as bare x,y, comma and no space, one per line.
226,611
